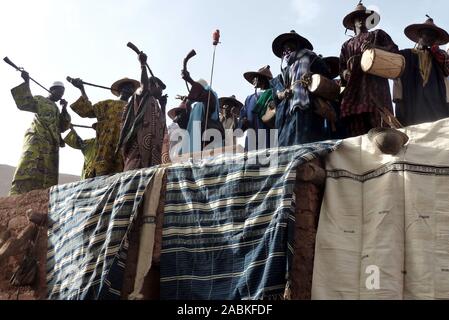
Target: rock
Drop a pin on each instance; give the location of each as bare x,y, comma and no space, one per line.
17,223
312,173
8,202
11,247
4,296
4,235
27,296
15,213
39,219
14,246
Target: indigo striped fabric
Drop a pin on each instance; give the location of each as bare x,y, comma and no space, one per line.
226,225
87,236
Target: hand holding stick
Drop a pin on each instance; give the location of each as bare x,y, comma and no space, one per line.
25,74
136,50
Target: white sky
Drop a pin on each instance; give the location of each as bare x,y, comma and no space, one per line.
85,38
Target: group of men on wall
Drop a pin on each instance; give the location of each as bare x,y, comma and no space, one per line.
131,132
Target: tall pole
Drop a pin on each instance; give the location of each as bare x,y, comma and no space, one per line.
216,41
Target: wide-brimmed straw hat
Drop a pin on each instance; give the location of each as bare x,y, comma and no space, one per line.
115,88
172,112
413,32
280,40
230,101
264,72
360,11
388,140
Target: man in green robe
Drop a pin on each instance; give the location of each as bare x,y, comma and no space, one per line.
88,147
38,167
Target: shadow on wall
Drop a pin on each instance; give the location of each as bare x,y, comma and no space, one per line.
7,173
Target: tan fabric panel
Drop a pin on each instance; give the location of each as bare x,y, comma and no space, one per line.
147,233
388,212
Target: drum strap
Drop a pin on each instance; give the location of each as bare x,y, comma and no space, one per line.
397,90
305,81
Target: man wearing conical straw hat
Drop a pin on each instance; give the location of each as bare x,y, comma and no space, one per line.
424,96
109,115
260,80
229,112
296,119
365,94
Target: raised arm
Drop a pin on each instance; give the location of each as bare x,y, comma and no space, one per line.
78,83
186,77
22,95
83,107
144,80
65,119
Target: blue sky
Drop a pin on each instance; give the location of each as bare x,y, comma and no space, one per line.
87,39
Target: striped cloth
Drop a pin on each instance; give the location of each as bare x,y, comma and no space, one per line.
226,226
87,236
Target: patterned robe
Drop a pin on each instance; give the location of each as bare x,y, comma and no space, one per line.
254,123
88,147
38,167
142,133
296,119
364,92
109,115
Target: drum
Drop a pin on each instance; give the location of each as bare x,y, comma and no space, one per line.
382,63
324,88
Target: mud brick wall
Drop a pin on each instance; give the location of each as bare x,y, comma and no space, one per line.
309,194
14,213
